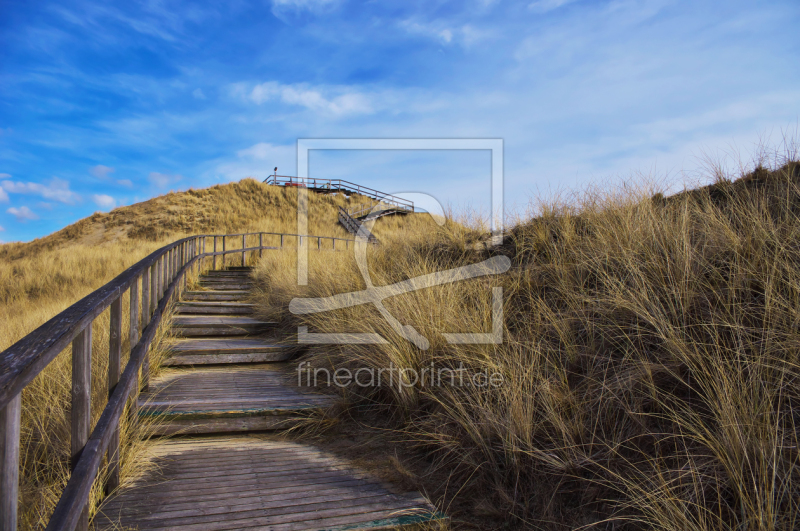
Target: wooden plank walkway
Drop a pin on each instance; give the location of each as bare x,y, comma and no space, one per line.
222,480
233,350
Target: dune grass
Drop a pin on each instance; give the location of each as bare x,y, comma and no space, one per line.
650,359
43,277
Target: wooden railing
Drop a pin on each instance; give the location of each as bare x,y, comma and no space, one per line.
338,185
160,277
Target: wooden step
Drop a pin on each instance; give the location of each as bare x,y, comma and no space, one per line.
225,278
222,325
227,286
228,399
214,307
246,482
230,295
219,351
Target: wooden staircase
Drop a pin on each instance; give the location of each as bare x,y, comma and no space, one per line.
353,225
229,375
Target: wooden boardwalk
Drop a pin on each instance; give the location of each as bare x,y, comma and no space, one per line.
221,467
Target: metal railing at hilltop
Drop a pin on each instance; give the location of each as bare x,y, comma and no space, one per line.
338,185
150,285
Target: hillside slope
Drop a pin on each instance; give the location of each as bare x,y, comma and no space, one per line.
647,377
43,277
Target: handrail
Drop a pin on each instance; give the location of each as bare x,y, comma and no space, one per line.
339,184
159,275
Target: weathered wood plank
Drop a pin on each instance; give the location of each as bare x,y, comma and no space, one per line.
190,321
214,308
216,295
114,371
181,360
189,490
81,410
225,346
9,463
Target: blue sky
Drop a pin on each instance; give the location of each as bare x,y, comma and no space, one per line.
105,104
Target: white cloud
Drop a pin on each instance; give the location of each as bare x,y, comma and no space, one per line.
104,201
162,180
101,172
545,6
340,101
1,228
198,94
22,213
3,196
125,182
256,161
56,190
464,35
315,6
260,151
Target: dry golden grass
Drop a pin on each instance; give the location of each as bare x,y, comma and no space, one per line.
650,361
43,277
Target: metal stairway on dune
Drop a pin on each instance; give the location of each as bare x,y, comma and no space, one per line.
228,375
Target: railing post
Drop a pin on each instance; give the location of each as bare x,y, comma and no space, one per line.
114,371
243,246
223,251
145,315
81,403
155,285
9,462
281,241
163,275
135,316
260,243
153,303
319,244
162,265
165,272
214,261
333,240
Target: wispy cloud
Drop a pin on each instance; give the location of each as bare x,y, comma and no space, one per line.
198,94
260,151
22,213
336,101
445,33
3,194
104,201
281,7
163,180
545,6
56,189
101,172
125,182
